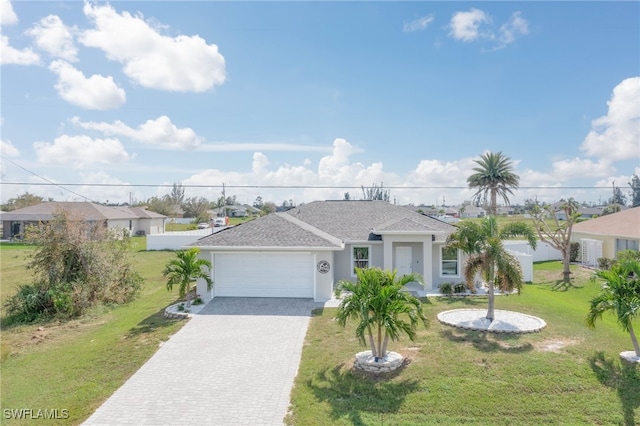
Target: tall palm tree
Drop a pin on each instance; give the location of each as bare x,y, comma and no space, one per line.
494,176
186,268
620,294
482,242
383,310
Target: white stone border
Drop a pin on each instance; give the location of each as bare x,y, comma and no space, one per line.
391,362
172,311
504,321
630,356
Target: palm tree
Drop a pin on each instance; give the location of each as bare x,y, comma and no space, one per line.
482,242
184,269
380,305
621,294
494,176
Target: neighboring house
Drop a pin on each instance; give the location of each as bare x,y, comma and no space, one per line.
238,211
425,210
176,211
472,211
303,252
585,213
506,210
136,220
606,235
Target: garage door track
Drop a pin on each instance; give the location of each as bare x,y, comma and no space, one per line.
232,364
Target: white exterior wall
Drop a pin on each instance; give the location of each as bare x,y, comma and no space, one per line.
122,224
324,282
150,226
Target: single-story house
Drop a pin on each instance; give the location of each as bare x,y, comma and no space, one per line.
606,235
305,251
472,211
135,219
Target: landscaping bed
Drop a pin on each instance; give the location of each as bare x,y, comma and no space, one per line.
565,374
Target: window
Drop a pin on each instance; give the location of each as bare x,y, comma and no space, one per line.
626,245
449,265
360,258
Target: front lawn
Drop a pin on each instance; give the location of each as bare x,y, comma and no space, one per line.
77,365
566,374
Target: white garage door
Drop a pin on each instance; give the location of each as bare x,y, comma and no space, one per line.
264,275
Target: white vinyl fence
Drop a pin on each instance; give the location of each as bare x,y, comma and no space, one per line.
542,252
177,240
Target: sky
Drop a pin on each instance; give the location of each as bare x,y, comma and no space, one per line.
304,101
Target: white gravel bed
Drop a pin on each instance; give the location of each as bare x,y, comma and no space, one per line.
504,321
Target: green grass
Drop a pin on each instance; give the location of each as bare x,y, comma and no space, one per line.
77,365
566,374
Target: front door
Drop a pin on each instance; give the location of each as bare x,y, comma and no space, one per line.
403,260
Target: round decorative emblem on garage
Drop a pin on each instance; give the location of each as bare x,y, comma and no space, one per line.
323,267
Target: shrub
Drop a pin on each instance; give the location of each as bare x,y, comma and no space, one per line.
198,301
446,288
459,288
574,251
75,266
605,263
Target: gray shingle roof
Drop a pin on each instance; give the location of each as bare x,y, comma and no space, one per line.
274,230
326,224
354,220
90,211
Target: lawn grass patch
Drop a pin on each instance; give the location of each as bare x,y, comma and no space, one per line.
566,374
76,365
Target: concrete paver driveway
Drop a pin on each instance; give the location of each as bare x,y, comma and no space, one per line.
232,364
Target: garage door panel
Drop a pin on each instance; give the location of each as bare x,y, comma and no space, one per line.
264,275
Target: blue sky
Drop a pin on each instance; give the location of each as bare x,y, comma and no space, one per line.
308,100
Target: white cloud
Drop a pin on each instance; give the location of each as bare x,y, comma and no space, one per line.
153,60
52,35
105,193
8,149
160,132
10,55
7,15
576,168
418,24
80,151
96,92
516,26
616,136
465,26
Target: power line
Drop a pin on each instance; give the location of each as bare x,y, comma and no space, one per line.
48,182
166,185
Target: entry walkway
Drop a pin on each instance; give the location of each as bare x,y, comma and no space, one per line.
232,364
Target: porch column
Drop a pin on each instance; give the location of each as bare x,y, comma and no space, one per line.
387,252
427,250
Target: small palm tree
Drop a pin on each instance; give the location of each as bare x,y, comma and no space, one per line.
381,307
494,176
482,242
620,294
185,269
